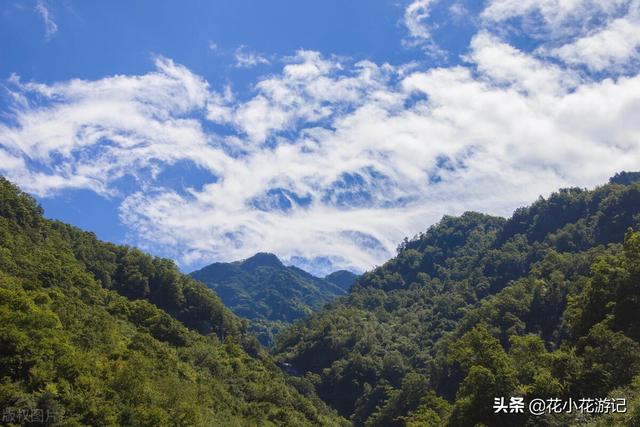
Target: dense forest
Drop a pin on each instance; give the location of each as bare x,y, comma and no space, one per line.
270,294
97,334
541,305
544,304
344,279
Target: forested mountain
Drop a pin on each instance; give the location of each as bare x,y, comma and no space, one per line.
270,294
97,334
342,278
543,304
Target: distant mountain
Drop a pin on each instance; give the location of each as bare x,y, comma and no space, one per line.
270,294
342,278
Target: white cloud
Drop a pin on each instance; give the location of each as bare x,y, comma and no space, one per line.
611,47
415,19
458,10
50,26
248,59
325,158
502,63
309,89
602,35
90,133
557,16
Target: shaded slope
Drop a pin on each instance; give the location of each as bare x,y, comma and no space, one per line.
342,278
266,292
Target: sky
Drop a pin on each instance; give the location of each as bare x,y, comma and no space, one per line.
322,131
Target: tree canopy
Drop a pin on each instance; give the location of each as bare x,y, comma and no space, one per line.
98,334
542,304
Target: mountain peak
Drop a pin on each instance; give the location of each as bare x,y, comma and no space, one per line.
267,293
342,278
262,259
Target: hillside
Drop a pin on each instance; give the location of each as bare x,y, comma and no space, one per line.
270,294
543,304
342,278
98,334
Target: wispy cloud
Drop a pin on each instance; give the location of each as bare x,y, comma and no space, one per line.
616,45
415,19
600,35
50,26
94,132
248,59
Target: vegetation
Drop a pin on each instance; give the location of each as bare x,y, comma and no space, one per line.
543,304
342,278
269,294
97,334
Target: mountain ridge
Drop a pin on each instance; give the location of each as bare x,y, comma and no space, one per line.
342,278
268,293
539,305
536,305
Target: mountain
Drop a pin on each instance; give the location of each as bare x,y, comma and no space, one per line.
268,293
540,305
93,333
342,278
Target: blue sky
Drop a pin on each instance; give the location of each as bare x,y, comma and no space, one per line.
324,132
